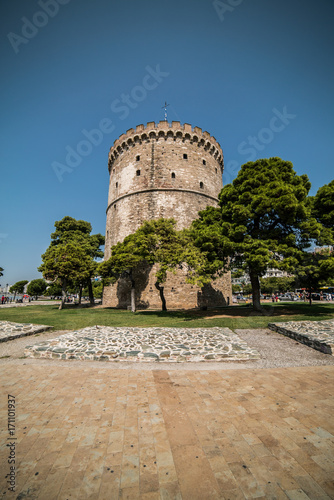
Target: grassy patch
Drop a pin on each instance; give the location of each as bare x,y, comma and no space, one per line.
72,318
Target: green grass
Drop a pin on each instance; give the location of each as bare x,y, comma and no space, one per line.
72,317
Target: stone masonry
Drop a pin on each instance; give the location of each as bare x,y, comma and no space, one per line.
162,170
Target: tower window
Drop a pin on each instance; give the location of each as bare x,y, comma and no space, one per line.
216,171
137,158
201,185
138,173
173,175
185,156
115,206
117,184
204,162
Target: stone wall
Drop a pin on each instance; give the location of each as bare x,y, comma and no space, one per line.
162,170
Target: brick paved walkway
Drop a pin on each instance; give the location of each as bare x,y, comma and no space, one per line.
86,432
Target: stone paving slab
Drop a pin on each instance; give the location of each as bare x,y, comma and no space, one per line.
316,334
146,344
83,432
10,330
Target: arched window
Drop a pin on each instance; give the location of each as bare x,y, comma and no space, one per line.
173,175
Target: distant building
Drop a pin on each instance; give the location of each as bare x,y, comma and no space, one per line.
271,273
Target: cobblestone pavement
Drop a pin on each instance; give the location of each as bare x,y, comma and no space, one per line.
10,330
316,334
146,344
83,432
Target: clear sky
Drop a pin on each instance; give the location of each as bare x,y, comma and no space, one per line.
256,74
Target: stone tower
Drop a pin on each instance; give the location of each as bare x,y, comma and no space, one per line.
162,170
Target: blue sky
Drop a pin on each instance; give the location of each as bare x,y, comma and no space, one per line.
256,74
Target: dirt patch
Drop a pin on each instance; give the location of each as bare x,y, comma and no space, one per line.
222,316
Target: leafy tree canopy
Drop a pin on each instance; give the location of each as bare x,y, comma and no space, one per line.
156,242
1,271
69,260
324,205
18,287
277,284
69,229
36,287
54,290
265,220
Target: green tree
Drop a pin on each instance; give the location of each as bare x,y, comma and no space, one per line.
277,284
18,287
323,207
156,242
125,258
236,289
206,234
317,268
97,290
72,240
54,290
265,220
247,289
65,264
36,287
1,271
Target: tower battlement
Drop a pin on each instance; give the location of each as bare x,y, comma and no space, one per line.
167,131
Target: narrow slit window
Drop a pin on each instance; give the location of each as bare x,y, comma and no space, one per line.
185,156
201,185
115,206
117,184
137,158
204,162
138,173
173,175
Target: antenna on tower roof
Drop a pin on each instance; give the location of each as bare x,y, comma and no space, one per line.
165,106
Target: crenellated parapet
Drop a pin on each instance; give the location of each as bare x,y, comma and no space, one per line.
163,130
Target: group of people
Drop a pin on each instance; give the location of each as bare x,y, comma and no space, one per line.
5,300
306,296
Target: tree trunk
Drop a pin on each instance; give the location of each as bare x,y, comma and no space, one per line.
162,296
133,293
255,282
133,299
63,295
80,294
90,292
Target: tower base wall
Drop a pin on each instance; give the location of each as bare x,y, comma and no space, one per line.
178,293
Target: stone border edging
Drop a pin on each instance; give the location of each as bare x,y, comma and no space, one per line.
316,339
10,330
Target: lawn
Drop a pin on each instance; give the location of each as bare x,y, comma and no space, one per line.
73,317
